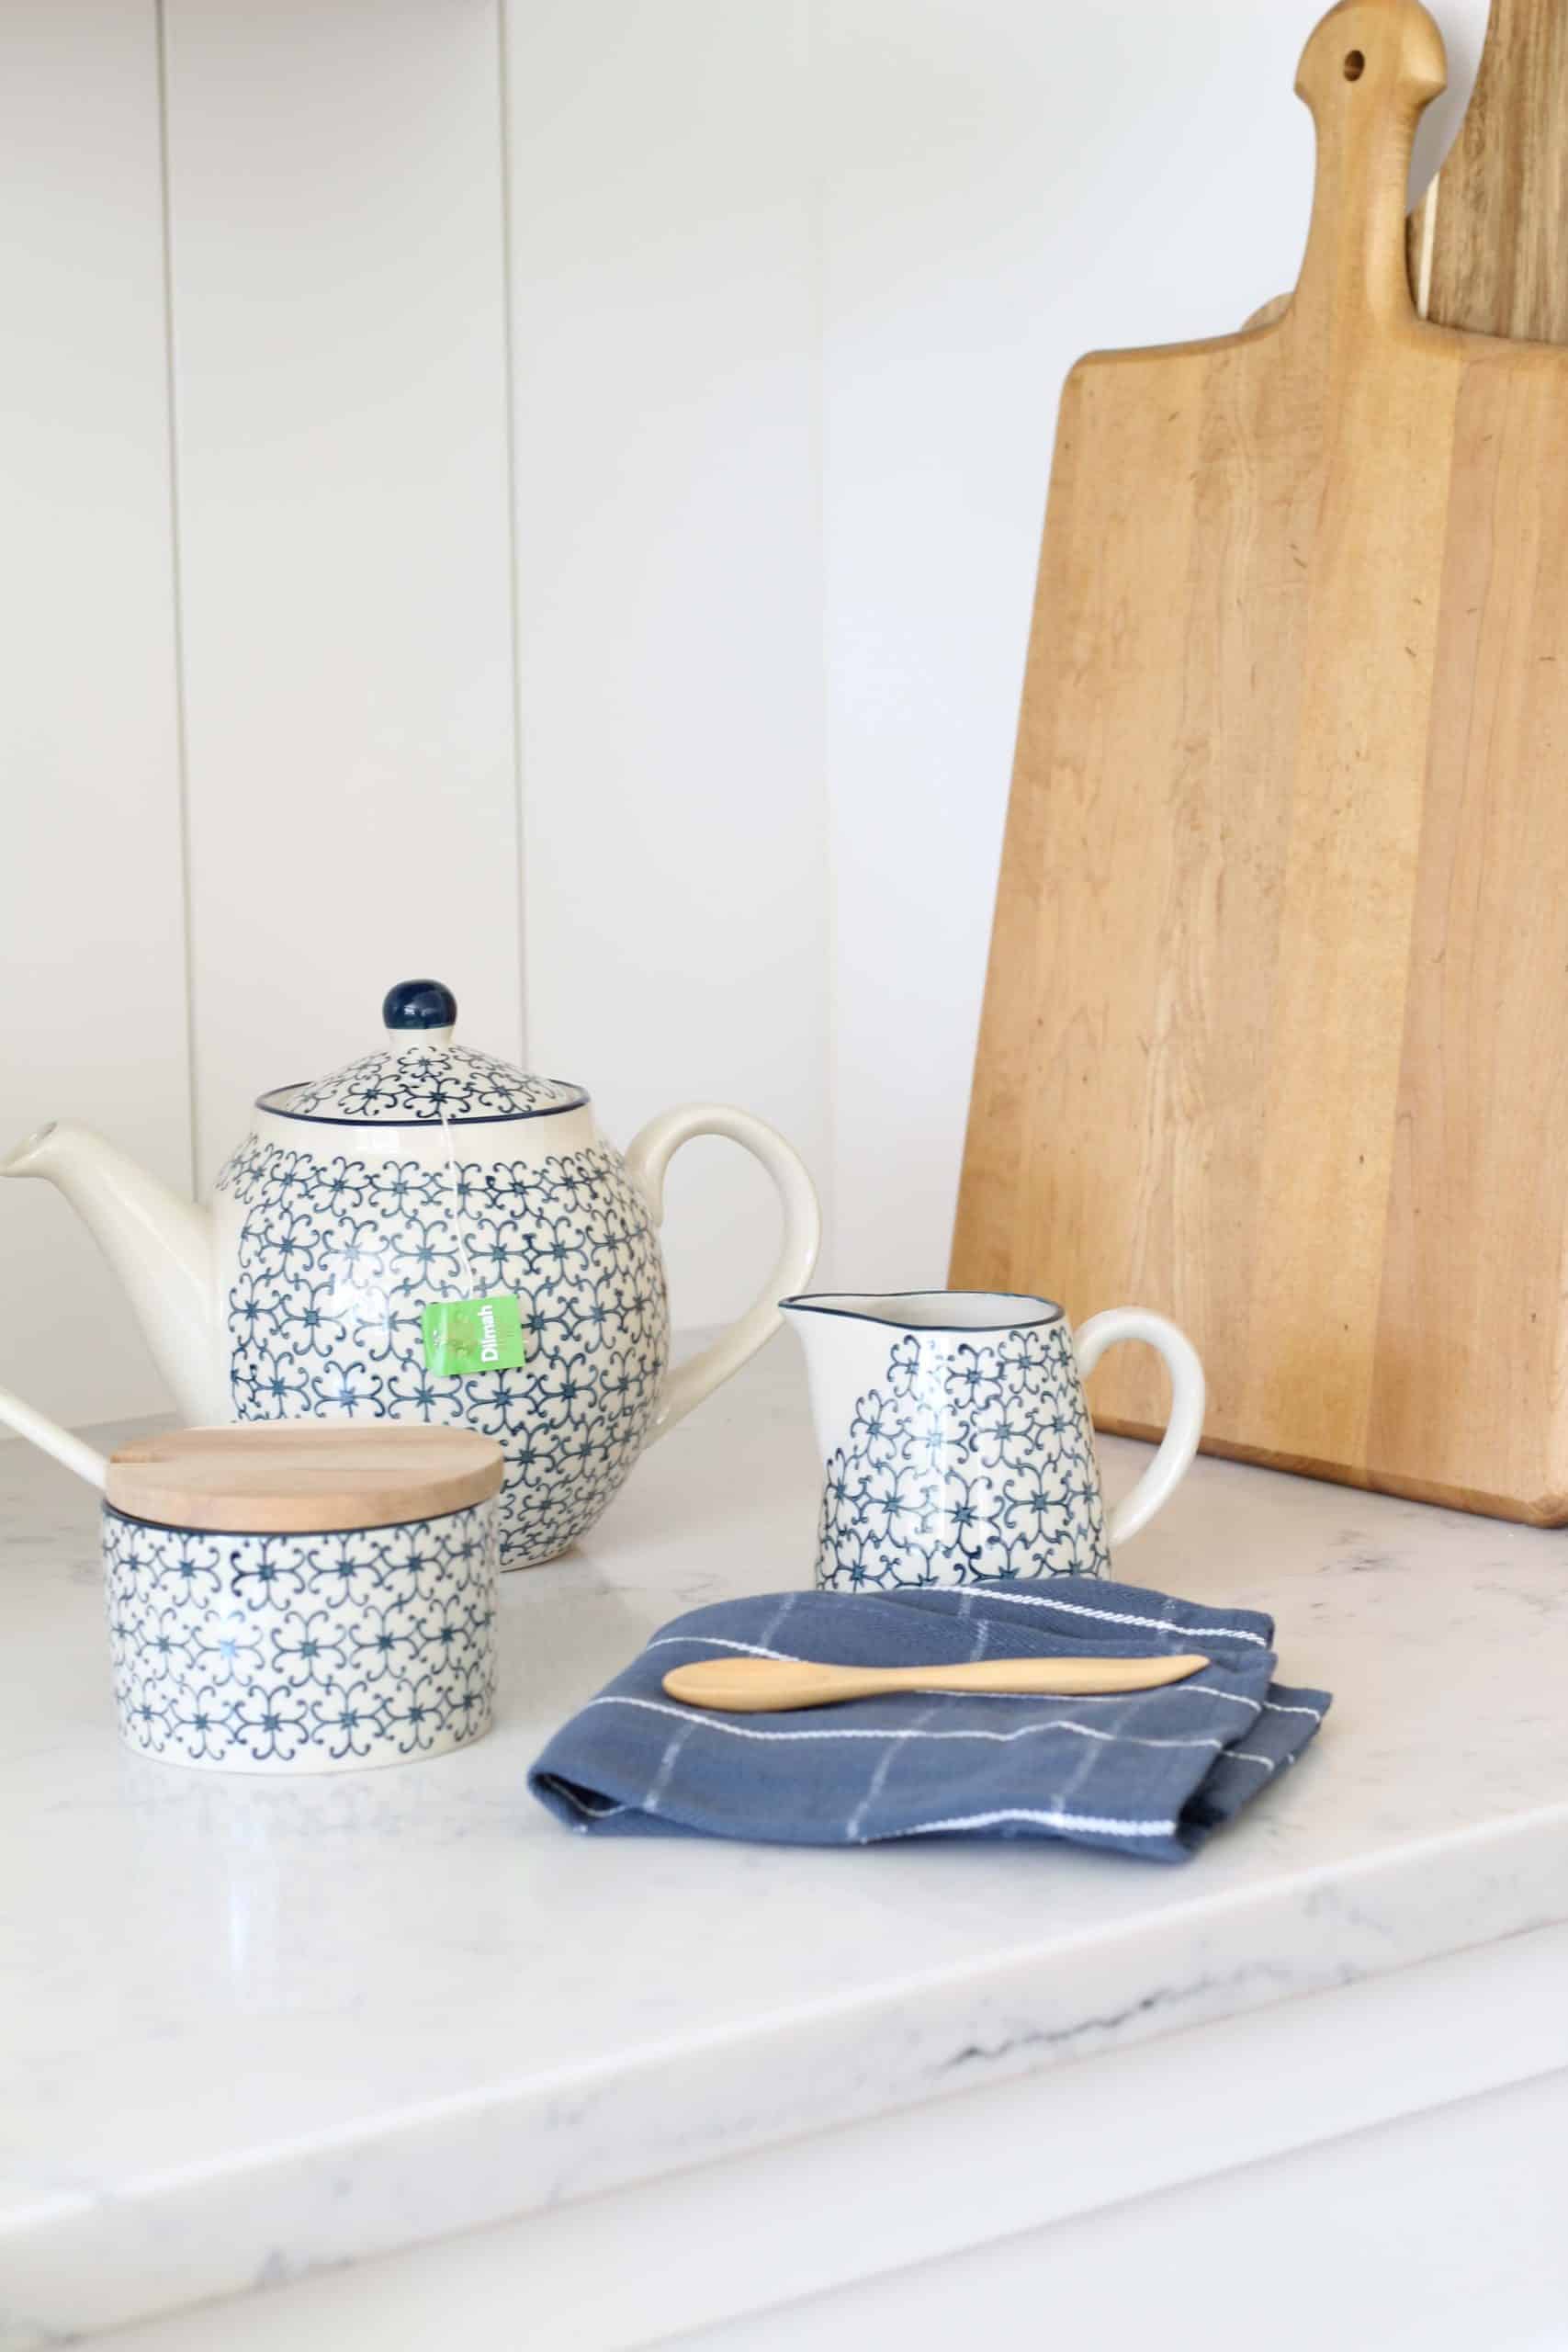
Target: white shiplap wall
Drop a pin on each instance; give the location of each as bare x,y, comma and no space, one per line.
546,491
669,552
338,295
92,930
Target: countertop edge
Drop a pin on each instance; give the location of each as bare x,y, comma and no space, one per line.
90,2261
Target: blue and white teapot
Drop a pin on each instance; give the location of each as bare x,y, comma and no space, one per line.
422,1176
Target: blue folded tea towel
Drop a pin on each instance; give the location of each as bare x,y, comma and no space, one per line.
1151,1772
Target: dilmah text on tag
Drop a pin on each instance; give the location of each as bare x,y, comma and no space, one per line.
466,1334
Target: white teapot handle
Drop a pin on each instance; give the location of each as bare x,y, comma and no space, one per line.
648,1157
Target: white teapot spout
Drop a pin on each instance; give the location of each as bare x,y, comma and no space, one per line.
161,1247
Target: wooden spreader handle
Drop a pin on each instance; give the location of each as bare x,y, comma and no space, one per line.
751,1686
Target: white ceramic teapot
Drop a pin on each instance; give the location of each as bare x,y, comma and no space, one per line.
427,1173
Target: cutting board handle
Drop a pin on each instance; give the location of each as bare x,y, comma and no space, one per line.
1366,74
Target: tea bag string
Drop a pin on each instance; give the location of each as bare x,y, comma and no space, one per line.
454,1204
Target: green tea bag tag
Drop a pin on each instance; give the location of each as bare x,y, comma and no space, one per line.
468,1335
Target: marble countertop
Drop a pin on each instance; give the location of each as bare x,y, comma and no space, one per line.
250,2029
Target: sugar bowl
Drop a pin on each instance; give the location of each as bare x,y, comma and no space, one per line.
286,1598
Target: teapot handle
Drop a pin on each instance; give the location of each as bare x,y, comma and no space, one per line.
648,1157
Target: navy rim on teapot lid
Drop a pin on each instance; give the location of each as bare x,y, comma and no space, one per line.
420,1078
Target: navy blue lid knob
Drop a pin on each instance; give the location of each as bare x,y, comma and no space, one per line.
419,1004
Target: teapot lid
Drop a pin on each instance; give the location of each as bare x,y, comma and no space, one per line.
419,1077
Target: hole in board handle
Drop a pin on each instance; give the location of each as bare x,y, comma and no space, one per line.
1355,65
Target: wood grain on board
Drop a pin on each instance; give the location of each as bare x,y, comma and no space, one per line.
1280,955
1488,241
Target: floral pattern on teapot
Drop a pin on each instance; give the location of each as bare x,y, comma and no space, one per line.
335,1258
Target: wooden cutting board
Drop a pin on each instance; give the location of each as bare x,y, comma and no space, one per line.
1279,970
1487,243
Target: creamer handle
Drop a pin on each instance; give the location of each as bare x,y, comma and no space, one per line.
1185,1426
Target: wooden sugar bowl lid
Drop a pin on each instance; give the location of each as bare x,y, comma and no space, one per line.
301,1478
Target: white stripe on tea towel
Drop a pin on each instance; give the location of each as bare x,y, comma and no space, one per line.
1239,1699
1095,1823
1126,1617
717,1642
749,1731
601,1808
880,1769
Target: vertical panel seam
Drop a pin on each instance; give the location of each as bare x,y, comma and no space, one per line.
513,566
177,580
816,249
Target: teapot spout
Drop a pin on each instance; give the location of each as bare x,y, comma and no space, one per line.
161,1247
